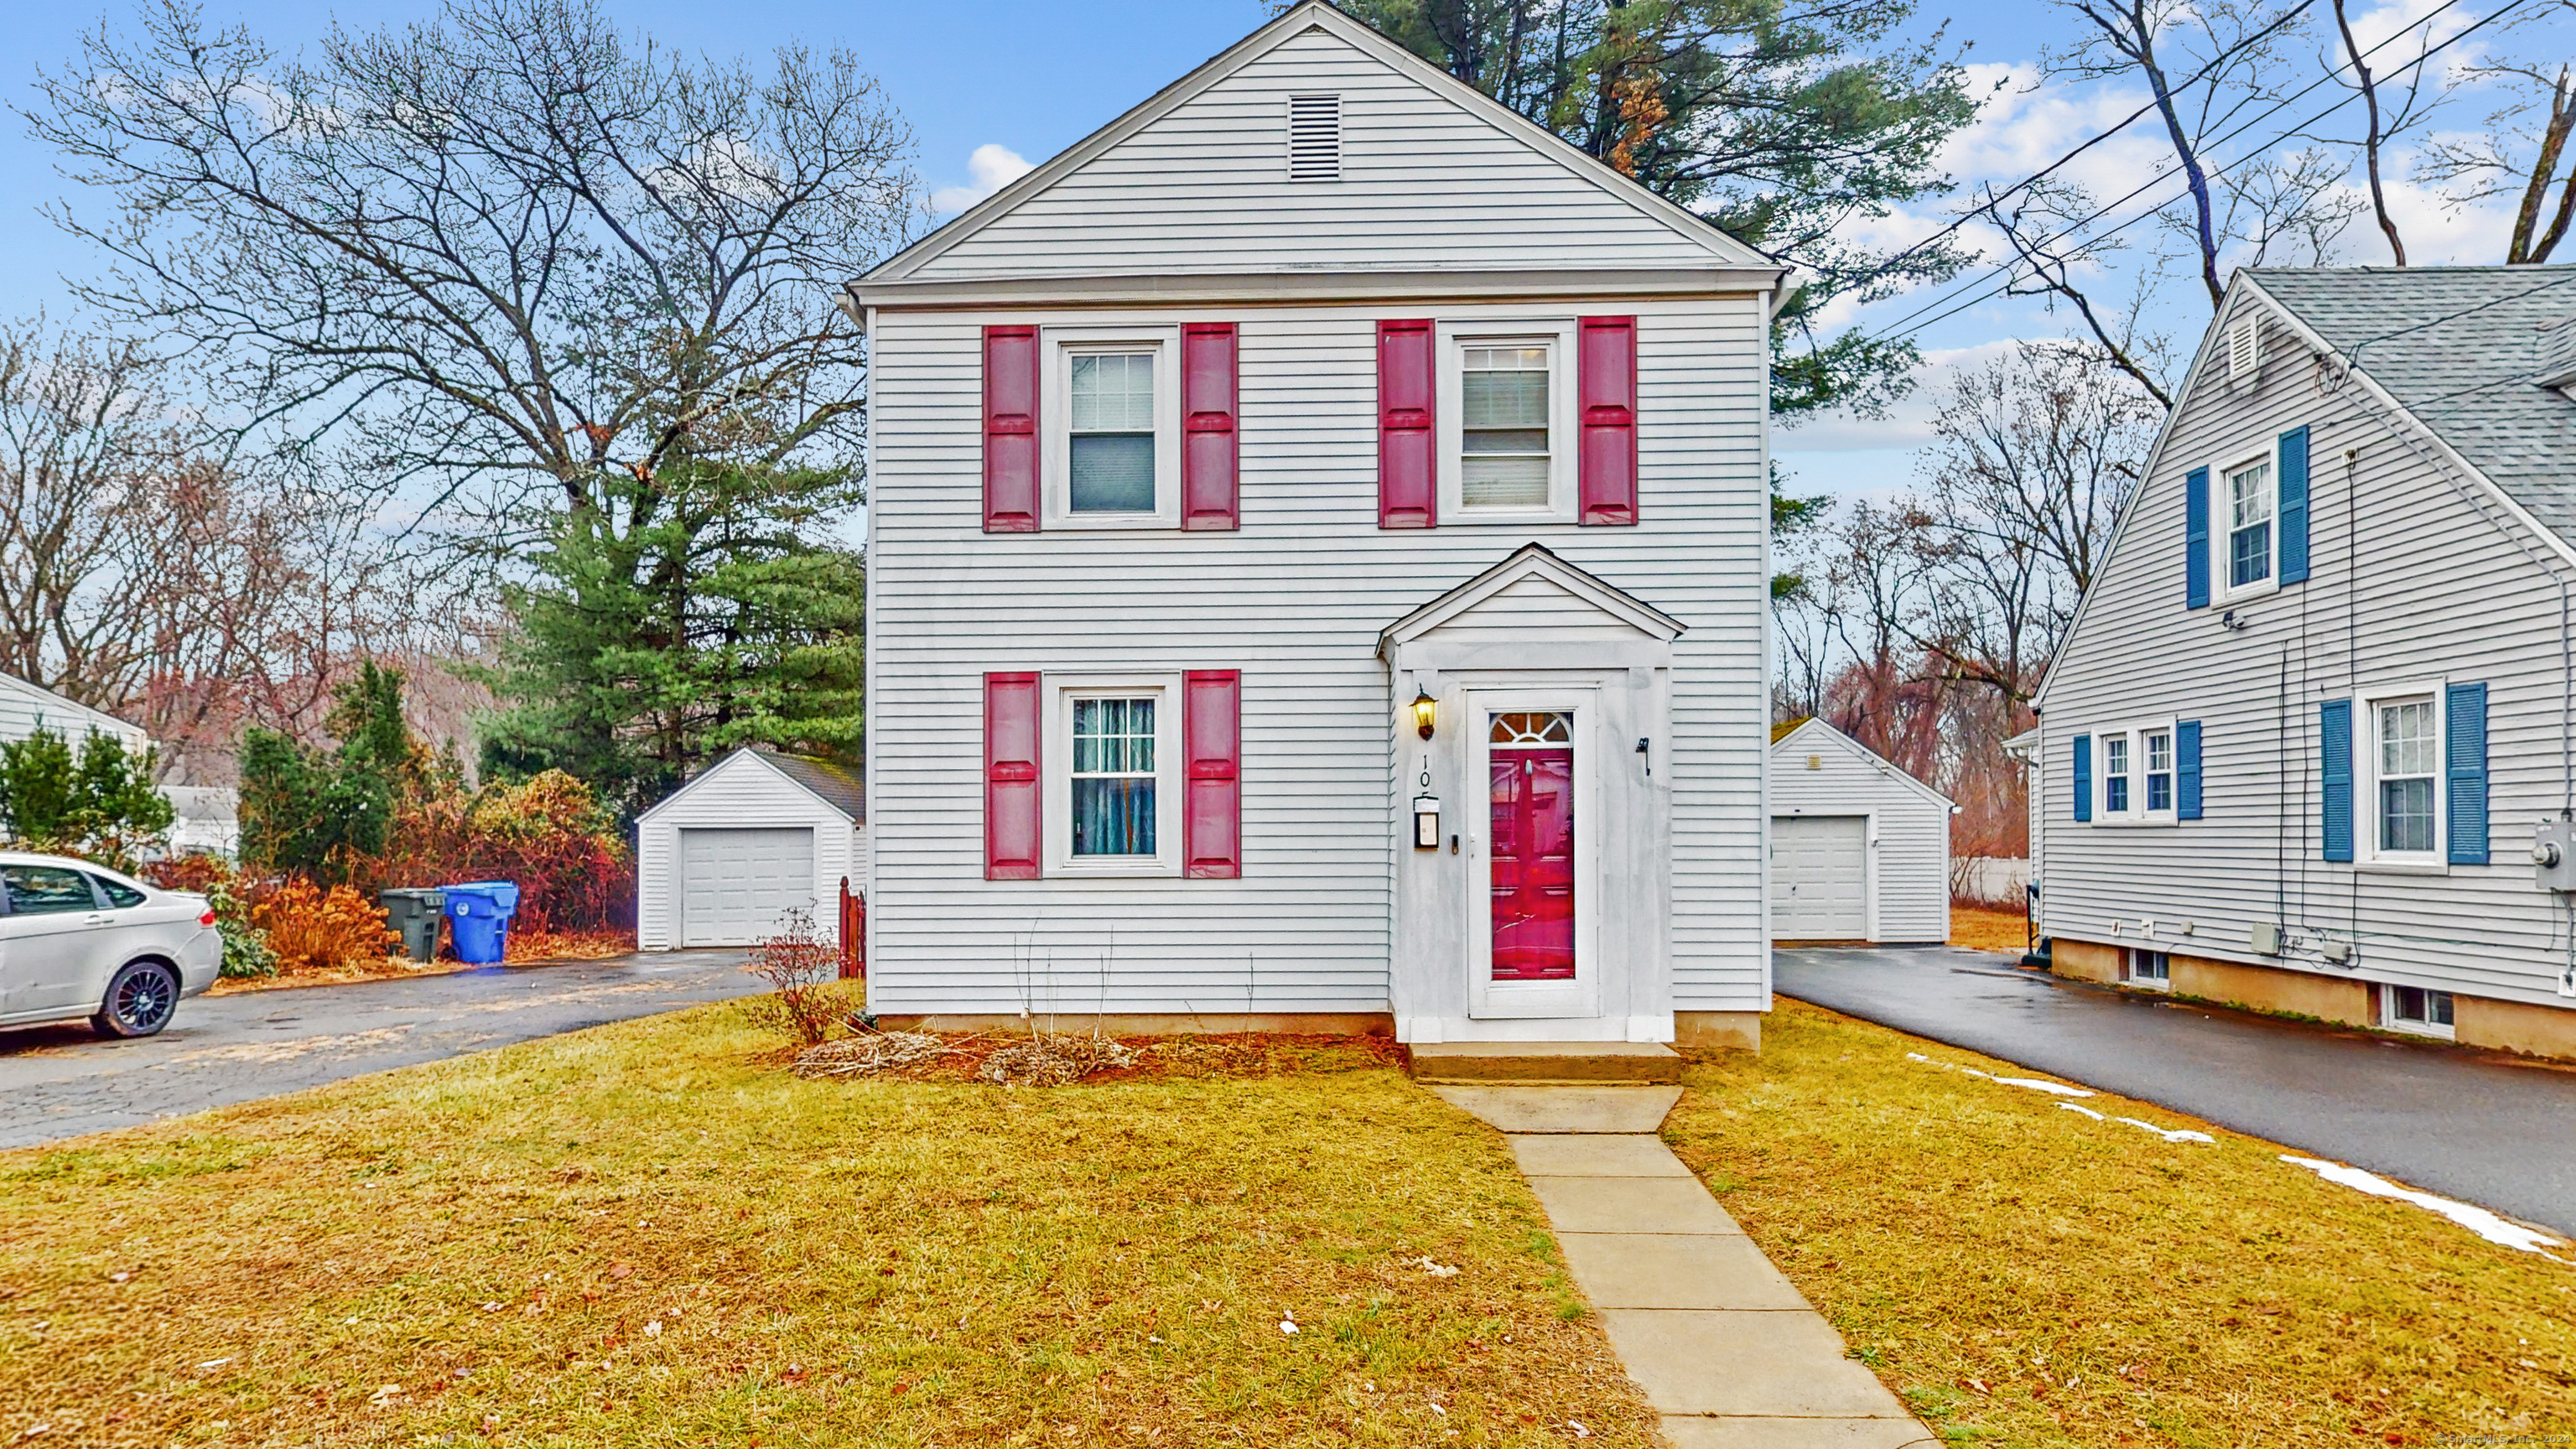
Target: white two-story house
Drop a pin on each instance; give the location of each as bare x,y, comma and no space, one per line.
2315,713
1317,556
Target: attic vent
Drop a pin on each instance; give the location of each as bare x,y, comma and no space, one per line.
1314,138
2244,349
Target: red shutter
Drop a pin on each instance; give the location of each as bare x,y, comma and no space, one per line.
1212,738
1208,457
1405,448
1012,719
1606,389
1010,430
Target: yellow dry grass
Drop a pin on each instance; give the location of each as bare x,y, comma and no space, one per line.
651,1234
1981,929
2026,1275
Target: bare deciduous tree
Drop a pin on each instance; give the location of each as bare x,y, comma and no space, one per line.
2523,154
506,248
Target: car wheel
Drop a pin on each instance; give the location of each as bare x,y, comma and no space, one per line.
140,999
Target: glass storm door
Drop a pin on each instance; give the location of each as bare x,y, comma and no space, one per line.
1531,765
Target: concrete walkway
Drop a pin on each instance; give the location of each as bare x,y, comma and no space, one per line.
1726,1349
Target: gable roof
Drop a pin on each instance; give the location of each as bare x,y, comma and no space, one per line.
2472,357
1302,18
1529,561
1815,728
834,785
2476,355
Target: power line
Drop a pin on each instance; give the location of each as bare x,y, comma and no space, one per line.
2004,269
2125,123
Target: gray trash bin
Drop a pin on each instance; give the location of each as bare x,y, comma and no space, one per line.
415,911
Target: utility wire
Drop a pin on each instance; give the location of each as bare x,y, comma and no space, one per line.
2042,174
1900,326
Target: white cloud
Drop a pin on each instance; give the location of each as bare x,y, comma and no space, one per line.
993,166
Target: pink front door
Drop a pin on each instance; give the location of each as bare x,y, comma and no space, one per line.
1533,860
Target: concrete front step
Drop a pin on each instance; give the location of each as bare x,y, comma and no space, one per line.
1546,1061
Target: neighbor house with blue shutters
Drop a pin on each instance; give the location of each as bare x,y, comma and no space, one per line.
1318,577
2300,740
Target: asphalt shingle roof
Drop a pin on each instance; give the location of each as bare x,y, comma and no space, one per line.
2467,350
838,787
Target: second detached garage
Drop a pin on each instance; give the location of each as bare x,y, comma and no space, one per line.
1860,850
722,859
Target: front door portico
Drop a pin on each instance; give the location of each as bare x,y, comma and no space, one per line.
1538,906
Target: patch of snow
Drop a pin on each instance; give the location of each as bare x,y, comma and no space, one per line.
2054,1089
2087,1111
2476,1219
2175,1134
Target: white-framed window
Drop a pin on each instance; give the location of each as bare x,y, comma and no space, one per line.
2417,1009
2119,797
2397,777
1110,407
2251,503
1113,787
2156,748
2134,774
2152,970
1506,411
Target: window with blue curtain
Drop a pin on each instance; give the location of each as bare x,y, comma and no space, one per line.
1113,777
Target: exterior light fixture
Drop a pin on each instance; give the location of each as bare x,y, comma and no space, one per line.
1422,707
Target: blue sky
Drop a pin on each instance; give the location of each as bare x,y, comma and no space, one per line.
1017,78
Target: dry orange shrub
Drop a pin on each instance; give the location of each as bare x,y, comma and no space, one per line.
316,930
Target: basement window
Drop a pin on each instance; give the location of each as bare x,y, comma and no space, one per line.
2416,1009
2150,969
1315,138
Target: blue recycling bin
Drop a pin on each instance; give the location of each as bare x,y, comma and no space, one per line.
478,919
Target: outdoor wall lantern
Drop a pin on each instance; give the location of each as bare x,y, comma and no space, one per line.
1422,708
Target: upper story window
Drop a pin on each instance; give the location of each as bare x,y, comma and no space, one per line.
1506,422
1111,432
2115,774
1110,405
1503,427
2250,509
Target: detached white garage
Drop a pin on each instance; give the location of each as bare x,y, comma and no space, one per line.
724,857
1860,850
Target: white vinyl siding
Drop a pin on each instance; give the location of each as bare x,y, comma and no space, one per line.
2427,587
1295,599
1911,849
1424,184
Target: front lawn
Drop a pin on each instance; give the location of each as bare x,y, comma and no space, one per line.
651,1234
2028,1275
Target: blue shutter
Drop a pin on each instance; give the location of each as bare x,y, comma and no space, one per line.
2083,777
2464,751
2334,746
2195,539
2294,506
2187,770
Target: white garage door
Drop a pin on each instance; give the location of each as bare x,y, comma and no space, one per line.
1819,877
735,884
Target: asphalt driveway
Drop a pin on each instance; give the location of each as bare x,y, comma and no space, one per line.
2478,1126
58,1082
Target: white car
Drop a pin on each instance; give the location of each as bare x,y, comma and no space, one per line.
80,940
